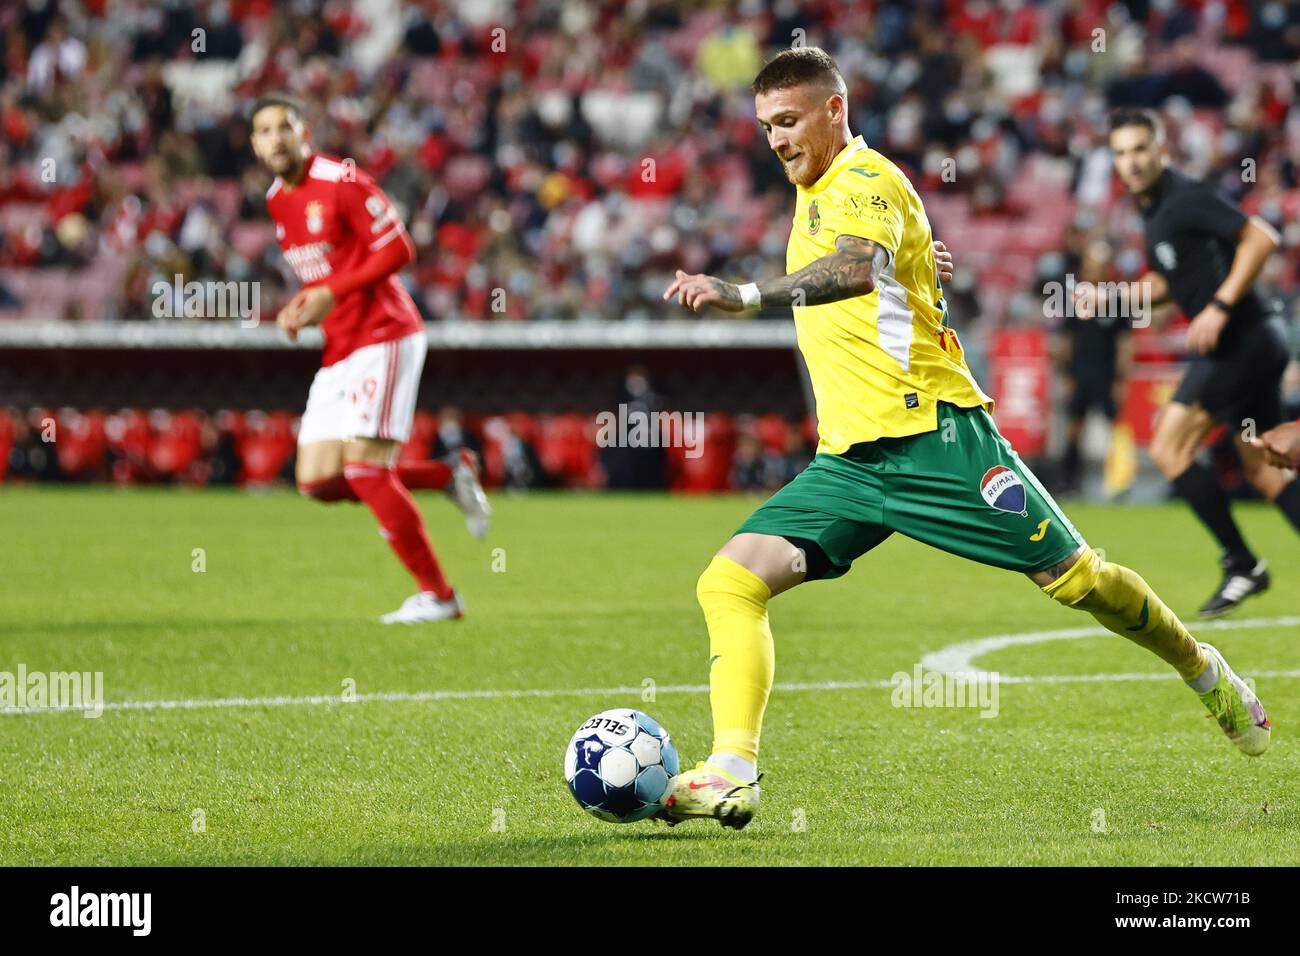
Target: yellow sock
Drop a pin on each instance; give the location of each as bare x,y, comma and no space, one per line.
742,661
1125,604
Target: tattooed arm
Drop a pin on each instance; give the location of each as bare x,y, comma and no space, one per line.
847,272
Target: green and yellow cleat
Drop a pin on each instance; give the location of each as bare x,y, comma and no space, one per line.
709,791
1234,705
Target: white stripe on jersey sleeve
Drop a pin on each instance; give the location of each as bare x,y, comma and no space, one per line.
327,169
386,238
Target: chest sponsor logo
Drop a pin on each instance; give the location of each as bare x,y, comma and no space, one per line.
1003,490
867,207
310,262
814,218
315,216
1165,253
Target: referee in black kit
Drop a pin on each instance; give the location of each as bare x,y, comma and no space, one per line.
1206,254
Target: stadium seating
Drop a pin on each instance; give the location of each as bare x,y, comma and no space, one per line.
577,184
138,446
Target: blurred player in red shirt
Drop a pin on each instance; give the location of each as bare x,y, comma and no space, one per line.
346,243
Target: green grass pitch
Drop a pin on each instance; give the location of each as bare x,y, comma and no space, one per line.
597,592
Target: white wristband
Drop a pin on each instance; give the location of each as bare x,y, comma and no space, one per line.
749,296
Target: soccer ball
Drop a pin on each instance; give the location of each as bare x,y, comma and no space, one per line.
620,765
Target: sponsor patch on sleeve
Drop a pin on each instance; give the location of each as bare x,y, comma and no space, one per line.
1003,490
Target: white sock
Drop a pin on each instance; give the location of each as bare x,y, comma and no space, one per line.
1209,677
735,765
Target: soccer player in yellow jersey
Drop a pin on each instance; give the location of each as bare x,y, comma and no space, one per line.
907,443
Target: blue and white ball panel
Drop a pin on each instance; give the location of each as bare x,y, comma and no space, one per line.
618,768
620,764
585,752
646,749
612,727
652,785
570,761
649,724
588,788
625,804
668,756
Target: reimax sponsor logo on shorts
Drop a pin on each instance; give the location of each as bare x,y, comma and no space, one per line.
1003,489
75,908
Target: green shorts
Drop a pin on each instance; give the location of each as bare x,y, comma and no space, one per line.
961,488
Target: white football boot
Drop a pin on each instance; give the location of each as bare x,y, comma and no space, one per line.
425,607
710,791
468,494
1233,703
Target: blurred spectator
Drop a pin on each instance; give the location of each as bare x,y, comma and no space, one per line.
32,454
57,58
452,435
1095,351
768,466
630,466
520,466
546,178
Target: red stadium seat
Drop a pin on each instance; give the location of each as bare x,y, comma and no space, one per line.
495,429
82,443
267,445
424,431
706,465
262,458
524,425
566,450
771,432
810,430
6,442
129,436
176,444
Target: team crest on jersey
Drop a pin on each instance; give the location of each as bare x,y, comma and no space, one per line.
814,218
1003,490
315,216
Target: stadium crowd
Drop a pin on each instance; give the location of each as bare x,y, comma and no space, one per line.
574,152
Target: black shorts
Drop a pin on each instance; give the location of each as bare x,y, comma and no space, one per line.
1243,379
1092,388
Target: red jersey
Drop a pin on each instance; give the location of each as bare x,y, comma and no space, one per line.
328,225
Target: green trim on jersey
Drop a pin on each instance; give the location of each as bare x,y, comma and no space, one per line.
961,488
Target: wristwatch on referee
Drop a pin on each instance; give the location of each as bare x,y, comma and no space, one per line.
1221,304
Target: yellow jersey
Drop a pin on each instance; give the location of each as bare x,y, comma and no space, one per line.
879,362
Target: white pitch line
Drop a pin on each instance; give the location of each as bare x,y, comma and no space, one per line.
955,659
418,696
960,658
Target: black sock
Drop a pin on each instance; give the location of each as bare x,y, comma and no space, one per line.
1201,489
1289,502
1070,464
